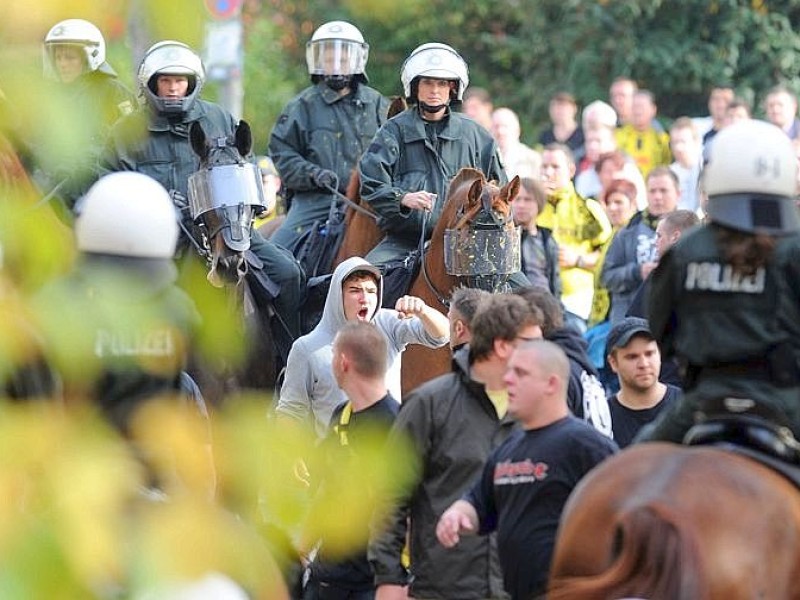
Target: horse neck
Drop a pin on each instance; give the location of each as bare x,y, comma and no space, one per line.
434,266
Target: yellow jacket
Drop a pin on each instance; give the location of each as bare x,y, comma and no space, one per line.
581,225
650,148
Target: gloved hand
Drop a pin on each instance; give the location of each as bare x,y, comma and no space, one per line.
325,179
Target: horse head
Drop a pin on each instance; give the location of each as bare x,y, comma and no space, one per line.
482,243
224,195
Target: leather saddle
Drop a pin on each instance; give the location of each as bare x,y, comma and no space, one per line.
766,440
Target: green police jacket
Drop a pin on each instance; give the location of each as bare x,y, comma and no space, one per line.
411,155
321,129
69,137
152,144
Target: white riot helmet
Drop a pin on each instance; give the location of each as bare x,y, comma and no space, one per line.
336,52
751,179
78,33
170,58
437,61
127,214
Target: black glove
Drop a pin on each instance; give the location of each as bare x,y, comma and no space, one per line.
325,179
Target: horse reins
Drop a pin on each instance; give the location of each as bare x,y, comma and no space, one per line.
354,205
421,248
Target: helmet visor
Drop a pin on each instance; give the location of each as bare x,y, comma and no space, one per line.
224,186
336,57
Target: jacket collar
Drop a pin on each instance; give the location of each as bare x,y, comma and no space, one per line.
414,126
159,122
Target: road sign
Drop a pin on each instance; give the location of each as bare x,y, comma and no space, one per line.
224,9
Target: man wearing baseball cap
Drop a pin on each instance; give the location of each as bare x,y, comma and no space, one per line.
633,355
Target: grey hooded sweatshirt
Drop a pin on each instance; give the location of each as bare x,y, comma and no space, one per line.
309,389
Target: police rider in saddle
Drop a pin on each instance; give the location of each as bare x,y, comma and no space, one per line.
155,140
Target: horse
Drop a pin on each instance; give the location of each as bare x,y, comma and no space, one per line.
224,195
472,203
665,521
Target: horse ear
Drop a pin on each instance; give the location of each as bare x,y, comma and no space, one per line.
197,137
510,190
465,175
244,138
474,194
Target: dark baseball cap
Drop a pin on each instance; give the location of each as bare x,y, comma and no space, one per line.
622,332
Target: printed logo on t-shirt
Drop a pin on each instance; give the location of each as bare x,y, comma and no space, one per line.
513,473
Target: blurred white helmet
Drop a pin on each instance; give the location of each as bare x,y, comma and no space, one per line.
78,33
170,58
337,48
751,179
437,61
127,214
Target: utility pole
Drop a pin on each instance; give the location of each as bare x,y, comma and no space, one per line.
224,53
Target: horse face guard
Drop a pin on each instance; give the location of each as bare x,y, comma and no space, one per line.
223,198
483,247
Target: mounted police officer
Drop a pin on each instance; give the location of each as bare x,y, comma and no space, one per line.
408,167
323,131
155,141
726,298
86,99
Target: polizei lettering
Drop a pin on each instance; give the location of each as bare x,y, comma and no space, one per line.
158,342
714,277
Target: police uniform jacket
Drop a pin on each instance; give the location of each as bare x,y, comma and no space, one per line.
740,333
158,146
320,128
409,154
95,101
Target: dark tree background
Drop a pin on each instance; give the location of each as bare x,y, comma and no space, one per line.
523,51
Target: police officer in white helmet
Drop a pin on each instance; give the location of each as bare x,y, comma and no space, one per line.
408,167
84,99
154,140
117,329
323,131
725,300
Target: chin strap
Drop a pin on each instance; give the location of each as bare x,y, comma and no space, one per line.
431,109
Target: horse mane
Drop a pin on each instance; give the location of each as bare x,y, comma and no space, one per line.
657,557
396,106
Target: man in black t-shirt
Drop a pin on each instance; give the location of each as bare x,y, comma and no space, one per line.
634,356
527,480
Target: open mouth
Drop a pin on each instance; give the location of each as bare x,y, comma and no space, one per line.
363,313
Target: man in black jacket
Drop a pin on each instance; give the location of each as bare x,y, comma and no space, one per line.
454,424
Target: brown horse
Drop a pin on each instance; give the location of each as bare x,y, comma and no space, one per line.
468,197
664,521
